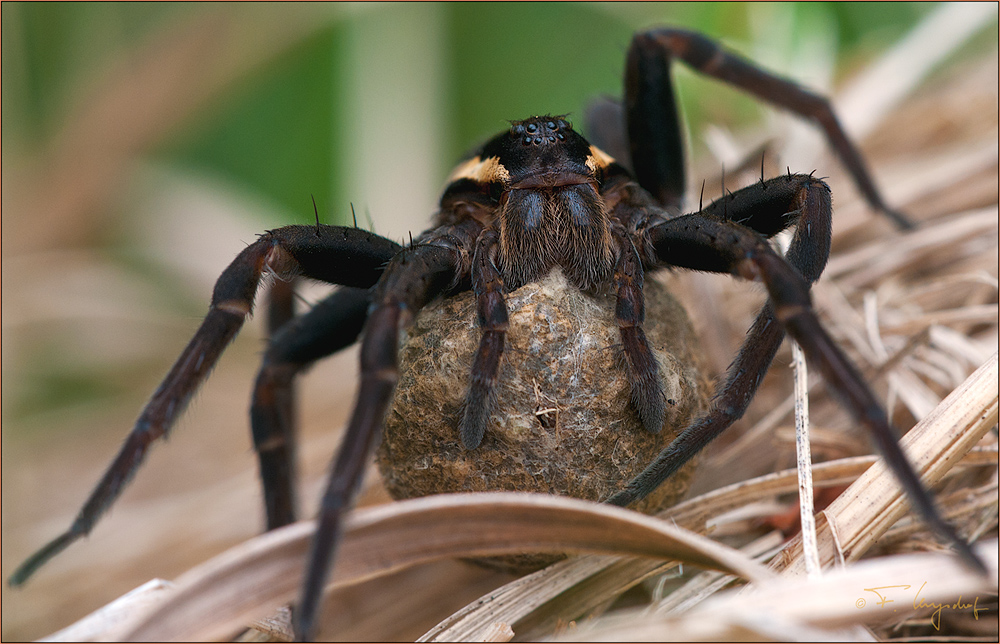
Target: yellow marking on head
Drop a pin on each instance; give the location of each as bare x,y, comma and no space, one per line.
481,171
598,159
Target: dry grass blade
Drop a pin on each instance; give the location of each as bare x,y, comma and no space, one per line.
852,523
874,262
215,599
787,609
536,605
497,632
803,459
95,626
695,513
707,583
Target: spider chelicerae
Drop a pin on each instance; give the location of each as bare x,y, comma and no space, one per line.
535,198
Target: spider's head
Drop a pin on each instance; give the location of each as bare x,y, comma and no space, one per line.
541,152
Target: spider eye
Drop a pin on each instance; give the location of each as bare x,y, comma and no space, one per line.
540,130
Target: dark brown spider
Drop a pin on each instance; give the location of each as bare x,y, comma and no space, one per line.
532,199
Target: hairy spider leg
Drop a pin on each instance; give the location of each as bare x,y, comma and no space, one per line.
652,123
331,325
701,242
492,309
630,312
415,276
280,303
767,208
334,254
654,128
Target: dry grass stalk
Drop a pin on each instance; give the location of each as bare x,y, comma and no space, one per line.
801,608
535,604
496,632
98,624
215,599
852,523
803,461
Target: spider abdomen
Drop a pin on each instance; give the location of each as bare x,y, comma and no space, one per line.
561,421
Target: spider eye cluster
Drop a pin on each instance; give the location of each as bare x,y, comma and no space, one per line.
540,130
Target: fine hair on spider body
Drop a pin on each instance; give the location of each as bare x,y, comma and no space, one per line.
535,198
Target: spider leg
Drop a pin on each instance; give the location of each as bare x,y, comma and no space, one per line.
630,311
280,311
652,122
706,243
280,304
335,254
414,277
767,208
653,126
488,286
332,324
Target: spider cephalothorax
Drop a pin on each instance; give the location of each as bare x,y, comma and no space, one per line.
541,185
536,198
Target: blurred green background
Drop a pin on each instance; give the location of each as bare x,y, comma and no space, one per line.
282,126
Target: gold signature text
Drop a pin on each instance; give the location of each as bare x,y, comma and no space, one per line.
883,592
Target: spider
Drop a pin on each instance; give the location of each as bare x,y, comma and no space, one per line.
534,198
